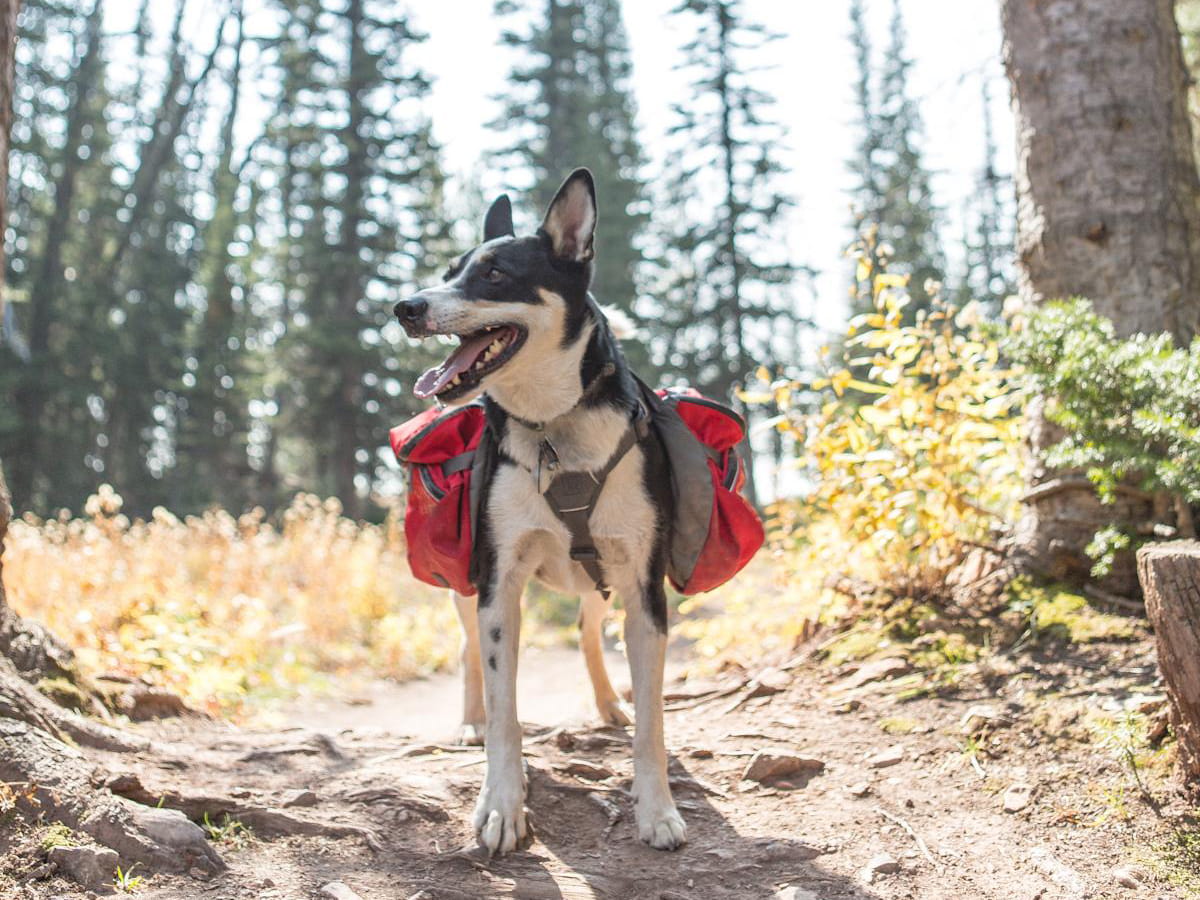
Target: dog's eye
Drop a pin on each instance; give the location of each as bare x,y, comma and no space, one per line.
494,275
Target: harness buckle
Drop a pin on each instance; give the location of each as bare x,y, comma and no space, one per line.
585,554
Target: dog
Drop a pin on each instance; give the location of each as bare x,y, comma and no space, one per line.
559,398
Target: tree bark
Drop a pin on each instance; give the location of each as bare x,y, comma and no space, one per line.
1170,576
1107,209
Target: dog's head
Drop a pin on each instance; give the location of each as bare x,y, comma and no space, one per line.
512,301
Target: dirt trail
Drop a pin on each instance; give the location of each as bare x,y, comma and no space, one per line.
388,813
552,688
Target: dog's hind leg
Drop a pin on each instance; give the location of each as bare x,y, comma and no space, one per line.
659,823
474,717
500,811
591,625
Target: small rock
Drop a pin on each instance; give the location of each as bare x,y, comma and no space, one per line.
880,864
141,703
299,798
889,757
1017,797
859,789
163,838
847,706
421,895
875,670
700,753
768,682
883,864
767,764
1150,705
1062,875
38,873
791,892
791,851
980,717
91,867
581,768
337,890
1126,877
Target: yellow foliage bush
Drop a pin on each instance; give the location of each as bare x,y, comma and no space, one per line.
909,451
217,607
914,461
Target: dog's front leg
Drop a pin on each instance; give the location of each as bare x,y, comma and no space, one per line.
659,823
500,812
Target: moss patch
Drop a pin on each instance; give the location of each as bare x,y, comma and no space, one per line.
57,835
899,725
1056,612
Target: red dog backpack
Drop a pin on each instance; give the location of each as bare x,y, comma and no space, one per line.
714,534
437,448
734,531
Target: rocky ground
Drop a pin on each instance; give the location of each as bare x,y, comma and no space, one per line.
801,782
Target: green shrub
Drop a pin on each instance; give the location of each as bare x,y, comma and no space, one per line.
1130,407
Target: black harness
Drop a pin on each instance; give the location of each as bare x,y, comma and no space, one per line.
572,496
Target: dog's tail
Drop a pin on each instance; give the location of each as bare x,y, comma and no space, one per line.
620,323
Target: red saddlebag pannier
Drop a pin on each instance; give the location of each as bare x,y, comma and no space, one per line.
722,544
437,449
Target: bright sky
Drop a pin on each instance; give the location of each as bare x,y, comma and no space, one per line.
954,46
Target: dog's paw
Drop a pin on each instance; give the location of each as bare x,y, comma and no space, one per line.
500,817
470,735
615,712
661,826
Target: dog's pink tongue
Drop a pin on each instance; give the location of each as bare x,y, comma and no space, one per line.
434,381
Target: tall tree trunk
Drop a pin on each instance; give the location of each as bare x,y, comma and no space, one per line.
48,278
733,226
349,283
1107,192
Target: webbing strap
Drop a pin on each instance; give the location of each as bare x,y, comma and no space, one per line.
458,463
573,495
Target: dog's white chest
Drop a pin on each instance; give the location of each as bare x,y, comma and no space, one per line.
526,530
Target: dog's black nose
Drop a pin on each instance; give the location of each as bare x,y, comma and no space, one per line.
409,312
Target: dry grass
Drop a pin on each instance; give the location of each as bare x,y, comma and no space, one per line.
219,608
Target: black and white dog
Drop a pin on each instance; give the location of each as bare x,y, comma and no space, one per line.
558,395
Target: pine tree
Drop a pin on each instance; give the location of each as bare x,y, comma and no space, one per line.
213,403
359,228
894,200
44,221
569,103
727,303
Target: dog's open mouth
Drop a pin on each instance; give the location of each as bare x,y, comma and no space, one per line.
478,354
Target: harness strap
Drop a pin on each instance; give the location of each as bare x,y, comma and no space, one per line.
572,497
458,463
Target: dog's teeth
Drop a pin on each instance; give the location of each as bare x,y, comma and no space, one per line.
496,345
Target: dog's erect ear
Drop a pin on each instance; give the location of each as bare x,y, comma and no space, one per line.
498,221
570,221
